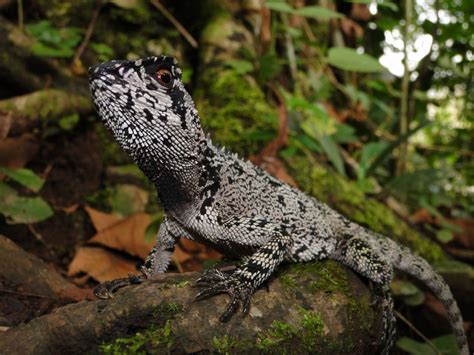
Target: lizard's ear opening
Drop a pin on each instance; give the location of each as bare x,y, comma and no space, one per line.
164,77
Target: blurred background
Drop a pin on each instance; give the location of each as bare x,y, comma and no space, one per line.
367,105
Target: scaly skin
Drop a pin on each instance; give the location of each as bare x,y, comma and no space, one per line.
214,197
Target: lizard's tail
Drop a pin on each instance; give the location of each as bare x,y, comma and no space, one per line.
422,270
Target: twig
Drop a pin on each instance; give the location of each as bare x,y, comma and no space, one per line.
175,23
20,14
415,329
90,30
26,294
402,154
290,50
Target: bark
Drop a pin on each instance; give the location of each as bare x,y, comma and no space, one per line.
310,319
32,275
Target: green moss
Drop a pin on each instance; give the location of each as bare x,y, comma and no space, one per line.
287,282
346,197
233,108
168,310
153,339
229,345
182,284
331,276
313,327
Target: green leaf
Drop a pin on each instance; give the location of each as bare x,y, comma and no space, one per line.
318,12
390,147
445,345
127,199
279,6
410,294
69,122
389,5
360,1
369,153
444,235
348,59
24,177
344,134
103,51
42,50
240,66
331,150
25,209
152,229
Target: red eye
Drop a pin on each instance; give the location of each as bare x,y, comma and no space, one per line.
164,77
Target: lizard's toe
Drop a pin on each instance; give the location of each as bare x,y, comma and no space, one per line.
215,282
106,289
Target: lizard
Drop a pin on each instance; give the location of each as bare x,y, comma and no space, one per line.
212,196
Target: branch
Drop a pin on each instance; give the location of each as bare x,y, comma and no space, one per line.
29,110
302,311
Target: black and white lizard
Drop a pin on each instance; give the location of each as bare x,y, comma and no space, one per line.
212,196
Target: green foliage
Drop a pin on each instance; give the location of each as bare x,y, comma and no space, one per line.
19,209
408,292
152,229
53,42
24,177
317,12
67,123
445,345
103,51
320,127
152,339
348,59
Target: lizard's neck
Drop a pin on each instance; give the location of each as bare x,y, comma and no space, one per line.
180,180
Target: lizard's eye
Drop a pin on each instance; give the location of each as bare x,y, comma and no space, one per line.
164,77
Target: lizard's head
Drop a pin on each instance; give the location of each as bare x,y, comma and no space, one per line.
145,105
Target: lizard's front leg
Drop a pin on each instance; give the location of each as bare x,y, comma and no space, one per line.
156,262
242,283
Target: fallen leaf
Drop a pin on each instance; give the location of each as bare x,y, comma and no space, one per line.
16,152
465,235
127,235
180,256
190,246
100,264
70,209
5,124
101,220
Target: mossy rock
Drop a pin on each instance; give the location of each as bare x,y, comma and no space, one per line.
233,109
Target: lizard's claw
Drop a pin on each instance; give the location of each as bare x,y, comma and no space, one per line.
215,282
106,290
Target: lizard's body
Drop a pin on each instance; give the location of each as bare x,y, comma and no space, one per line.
212,196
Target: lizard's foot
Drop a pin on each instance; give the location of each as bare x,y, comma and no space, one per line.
106,289
215,282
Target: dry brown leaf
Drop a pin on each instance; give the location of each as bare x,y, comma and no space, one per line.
101,220
190,246
71,209
127,235
180,256
5,124
16,152
100,264
465,235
